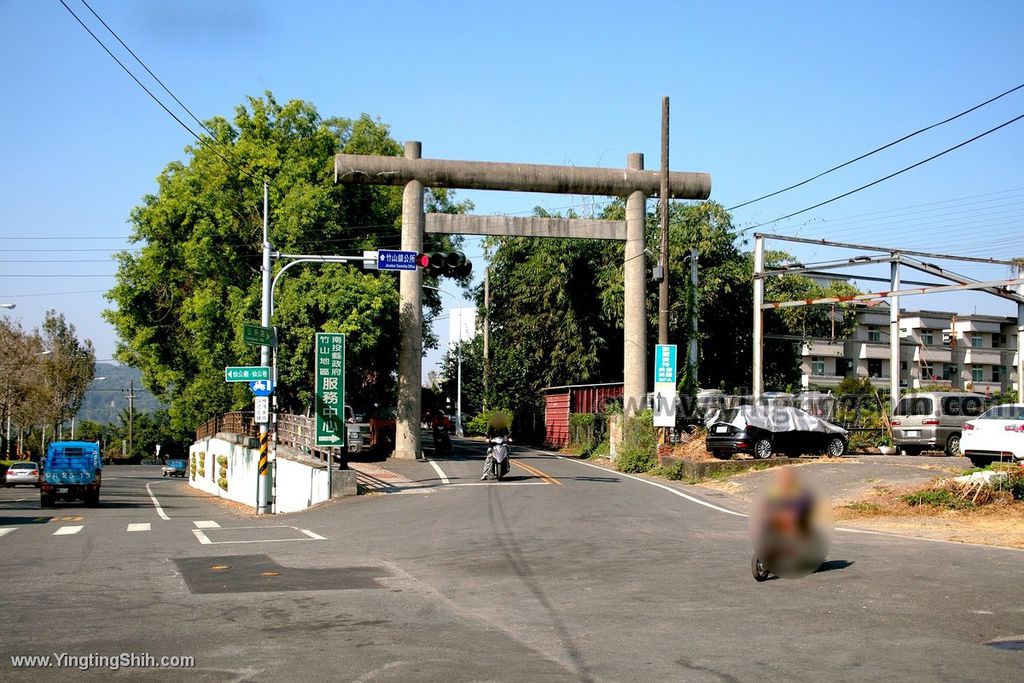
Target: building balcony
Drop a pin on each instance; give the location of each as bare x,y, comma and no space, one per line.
822,381
825,349
872,350
980,356
932,354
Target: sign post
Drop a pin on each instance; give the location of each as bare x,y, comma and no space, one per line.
665,385
390,259
250,373
330,389
257,335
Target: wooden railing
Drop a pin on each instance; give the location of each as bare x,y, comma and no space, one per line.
238,422
295,431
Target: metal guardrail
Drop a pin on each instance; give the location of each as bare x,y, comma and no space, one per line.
295,431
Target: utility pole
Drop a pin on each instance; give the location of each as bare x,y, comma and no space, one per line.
663,301
265,476
129,393
487,332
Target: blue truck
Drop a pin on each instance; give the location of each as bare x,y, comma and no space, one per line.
71,470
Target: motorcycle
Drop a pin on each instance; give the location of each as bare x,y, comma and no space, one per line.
442,442
500,463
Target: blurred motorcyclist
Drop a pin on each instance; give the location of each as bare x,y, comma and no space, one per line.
497,426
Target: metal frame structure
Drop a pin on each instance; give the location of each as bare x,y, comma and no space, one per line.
1010,288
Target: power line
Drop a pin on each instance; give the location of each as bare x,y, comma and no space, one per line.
84,291
157,99
883,179
876,150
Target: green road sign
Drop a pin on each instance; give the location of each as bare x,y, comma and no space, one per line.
330,389
259,336
248,373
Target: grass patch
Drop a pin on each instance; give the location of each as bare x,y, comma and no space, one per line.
940,498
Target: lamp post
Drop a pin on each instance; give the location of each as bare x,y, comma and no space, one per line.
458,380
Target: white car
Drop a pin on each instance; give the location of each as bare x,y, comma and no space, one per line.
997,434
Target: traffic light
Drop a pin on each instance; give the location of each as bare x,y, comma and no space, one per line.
452,264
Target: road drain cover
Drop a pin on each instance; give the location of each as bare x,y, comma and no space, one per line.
259,574
1015,643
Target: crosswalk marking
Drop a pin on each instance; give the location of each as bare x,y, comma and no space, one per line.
139,526
206,524
5,531
67,530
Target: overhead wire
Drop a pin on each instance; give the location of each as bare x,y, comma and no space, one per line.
877,149
883,179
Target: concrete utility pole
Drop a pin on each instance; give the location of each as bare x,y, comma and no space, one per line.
129,393
663,293
633,183
894,336
264,481
757,383
410,320
1020,336
694,315
487,332
635,293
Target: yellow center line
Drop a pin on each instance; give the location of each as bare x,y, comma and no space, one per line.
534,471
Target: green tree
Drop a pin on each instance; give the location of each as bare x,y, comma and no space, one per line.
67,368
182,298
472,377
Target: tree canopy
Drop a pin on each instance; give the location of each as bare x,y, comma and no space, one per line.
182,297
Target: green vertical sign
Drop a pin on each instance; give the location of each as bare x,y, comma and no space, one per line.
330,389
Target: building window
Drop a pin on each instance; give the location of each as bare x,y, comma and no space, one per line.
873,334
997,373
927,371
998,341
949,371
849,367
874,367
817,365
976,340
927,337
977,373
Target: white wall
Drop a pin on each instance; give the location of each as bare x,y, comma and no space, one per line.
298,485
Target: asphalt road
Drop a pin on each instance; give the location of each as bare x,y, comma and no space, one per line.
563,572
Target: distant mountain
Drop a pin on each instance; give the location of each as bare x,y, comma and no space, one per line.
104,399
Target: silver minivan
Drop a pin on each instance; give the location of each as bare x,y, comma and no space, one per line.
933,420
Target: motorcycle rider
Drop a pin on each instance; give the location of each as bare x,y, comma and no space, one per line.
497,426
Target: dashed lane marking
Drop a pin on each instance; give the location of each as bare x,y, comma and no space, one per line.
206,524
68,530
139,526
156,503
7,530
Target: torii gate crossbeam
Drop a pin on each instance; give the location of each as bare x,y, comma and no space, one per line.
415,173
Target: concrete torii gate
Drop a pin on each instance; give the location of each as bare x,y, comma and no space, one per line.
415,174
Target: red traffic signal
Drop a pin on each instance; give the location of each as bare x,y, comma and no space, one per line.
451,264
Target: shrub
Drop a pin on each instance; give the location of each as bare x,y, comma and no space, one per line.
603,450
639,441
478,425
673,471
192,465
201,468
940,498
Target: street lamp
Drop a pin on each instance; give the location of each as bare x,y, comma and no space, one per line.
458,381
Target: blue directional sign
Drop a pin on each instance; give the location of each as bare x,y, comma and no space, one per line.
389,259
665,364
261,387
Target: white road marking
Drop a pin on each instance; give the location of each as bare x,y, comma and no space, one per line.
206,524
671,490
7,530
156,503
310,535
67,530
740,514
502,483
440,472
139,526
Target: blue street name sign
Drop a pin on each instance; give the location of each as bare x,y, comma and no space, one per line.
388,259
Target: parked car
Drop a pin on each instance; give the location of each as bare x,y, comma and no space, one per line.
766,429
22,474
175,468
998,434
934,420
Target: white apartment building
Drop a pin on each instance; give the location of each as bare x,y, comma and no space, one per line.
937,348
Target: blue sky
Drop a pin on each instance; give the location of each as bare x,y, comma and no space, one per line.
763,95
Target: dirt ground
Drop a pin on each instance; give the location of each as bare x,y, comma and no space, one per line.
865,493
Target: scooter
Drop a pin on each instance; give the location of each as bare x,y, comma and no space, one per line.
500,464
442,442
